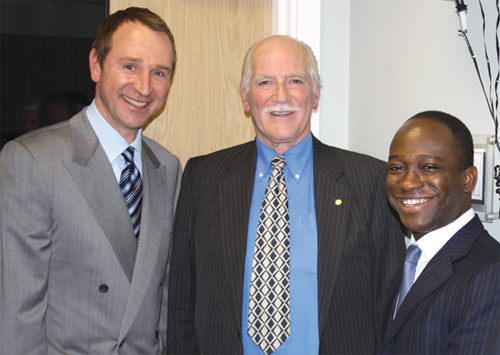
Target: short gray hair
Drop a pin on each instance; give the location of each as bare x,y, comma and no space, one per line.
246,72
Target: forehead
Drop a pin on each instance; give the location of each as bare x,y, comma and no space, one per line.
278,56
132,36
421,137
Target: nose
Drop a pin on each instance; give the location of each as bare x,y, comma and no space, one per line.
411,180
282,94
142,84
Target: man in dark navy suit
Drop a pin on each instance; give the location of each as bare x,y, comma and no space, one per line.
452,306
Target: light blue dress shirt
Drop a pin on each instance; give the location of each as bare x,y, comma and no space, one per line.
299,178
113,142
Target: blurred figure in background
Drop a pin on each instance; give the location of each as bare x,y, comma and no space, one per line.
60,107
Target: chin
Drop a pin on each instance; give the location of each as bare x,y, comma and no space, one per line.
414,226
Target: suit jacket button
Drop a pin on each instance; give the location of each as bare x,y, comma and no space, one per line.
103,288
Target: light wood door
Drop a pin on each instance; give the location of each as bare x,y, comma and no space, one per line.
204,112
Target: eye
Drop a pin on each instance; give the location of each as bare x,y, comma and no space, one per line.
158,73
430,168
129,67
394,168
264,82
296,81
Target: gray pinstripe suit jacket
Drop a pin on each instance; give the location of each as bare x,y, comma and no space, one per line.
360,245
73,279
454,306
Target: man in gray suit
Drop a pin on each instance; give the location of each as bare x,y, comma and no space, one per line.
313,280
83,271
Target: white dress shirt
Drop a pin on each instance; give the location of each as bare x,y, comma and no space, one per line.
113,142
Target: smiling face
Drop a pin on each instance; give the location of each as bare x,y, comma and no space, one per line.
133,83
281,95
424,184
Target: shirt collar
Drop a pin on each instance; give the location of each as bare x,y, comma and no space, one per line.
113,142
433,241
296,157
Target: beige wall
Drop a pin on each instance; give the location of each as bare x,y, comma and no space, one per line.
204,112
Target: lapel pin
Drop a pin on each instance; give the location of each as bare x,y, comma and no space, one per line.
338,202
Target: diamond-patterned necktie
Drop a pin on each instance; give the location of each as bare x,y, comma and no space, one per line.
269,304
131,185
412,256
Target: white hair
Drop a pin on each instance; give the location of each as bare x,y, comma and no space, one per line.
246,72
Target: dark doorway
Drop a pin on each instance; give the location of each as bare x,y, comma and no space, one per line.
44,51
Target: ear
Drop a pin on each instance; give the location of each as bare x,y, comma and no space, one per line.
244,98
316,98
470,178
95,67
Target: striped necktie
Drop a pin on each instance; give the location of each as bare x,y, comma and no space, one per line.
131,186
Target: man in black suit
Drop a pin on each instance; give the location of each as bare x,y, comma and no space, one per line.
336,244
453,302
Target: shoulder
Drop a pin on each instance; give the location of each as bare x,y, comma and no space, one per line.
487,250
160,152
347,159
220,159
476,256
478,274
360,173
49,141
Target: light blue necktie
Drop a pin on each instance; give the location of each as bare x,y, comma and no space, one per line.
412,256
131,186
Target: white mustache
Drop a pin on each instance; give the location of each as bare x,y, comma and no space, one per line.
282,108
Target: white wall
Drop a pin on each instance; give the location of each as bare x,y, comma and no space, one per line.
395,58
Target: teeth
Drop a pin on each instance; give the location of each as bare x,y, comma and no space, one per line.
413,202
280,113
135,103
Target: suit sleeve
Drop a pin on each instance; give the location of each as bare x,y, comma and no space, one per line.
475,329
388,247
164,301
25,248
181,337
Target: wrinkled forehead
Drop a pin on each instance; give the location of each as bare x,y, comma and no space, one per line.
279,57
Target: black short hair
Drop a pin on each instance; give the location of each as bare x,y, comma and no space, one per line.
461,134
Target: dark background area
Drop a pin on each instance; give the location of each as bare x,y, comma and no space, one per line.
44,49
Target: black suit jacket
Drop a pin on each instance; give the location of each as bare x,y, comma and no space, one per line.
360,245
453,307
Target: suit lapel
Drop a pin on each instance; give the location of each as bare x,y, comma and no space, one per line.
333,203
92,173
152,221
433,276
438,270
235,191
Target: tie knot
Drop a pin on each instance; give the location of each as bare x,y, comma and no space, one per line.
413,254
278,162
128,154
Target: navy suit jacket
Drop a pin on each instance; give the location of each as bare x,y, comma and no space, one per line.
453,306
360,246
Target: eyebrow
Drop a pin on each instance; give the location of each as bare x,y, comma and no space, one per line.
425,156
291,75
137,60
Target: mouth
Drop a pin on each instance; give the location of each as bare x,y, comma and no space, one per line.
281,113
134,103
282,110
413,201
